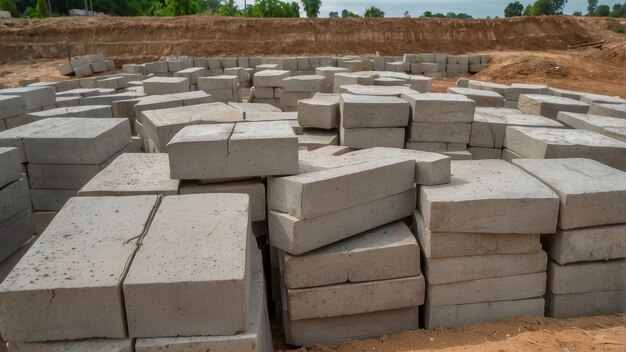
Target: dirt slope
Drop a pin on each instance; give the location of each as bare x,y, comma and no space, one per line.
148,38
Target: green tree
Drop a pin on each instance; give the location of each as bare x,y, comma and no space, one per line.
618,11
228,8
406,14
9,5
514,9
41,9
348,14
546,7
591,7
577,13
427,14
333,14
181,7
602,11
374,12
311,7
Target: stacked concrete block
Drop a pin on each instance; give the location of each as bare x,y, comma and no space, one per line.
478,269
314,138
12,109
372,121
489,129
101,111
298,88
371,277
586,270
86,65
478,63
16,221
348,78
591,99
376,90
34,99
595,123
133,174
618,133
165,85
267,86
222,88
440,122
160,126
192,74
321,111
329,73
483,98
549,106
551,143
610,110
232,151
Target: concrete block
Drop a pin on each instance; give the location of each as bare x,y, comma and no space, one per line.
133,174
457,244
165,85
192,98
488,290
290,99
297,236
565,93
324,192
337,330
518,89
590,193
10,166
245,150
586,244
456,155
81,141
161,125
14,137
192,74
549,143
180,226
50,295
483,98
549,106
355,298
483,189
610,110
254,188
305,83
590,99
489,126
60,176
615,133
585,304
451,316
360,138
439,132
76,111
440,107
254,107
95,345
313,138
457,269
14,232
271,116
218,82
270,78
590,122
386,252
373,111
388,91
12,105
14,198
257,336
485,153
34,97
51,199
586,277
346,78
321,111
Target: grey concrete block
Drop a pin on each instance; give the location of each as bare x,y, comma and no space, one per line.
483,189
586,276
321,111
611,110
10,165
549,106
483,98
34,97
440,107
485,153
51,199
93,345
615,133
590,193
360,138
133,174
270,78
386,252
457,244
12,105
585,304
439,132
14,198
451,316
590,122
165,85
324,192
373,111
355,298
313,138
51,295
160,277
297,236
14,232
586,244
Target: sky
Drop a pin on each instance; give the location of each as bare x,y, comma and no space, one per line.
475,8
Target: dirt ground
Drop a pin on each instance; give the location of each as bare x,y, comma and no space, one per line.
601,333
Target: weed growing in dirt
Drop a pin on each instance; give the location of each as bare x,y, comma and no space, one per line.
615,26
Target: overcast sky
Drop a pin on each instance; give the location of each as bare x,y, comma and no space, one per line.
396,8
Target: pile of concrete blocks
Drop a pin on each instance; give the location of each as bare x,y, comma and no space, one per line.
127,250
439,65
159,126
351,78
590,122
267,86
298,88
329,73
222,88
62,154
305,213
440,122
15,103
478,269
550,106
587,266
86,65
372,121
319,117
483,98
489,130
16,220
165,85
510,93
554,143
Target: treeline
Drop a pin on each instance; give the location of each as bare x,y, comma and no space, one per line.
555,7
